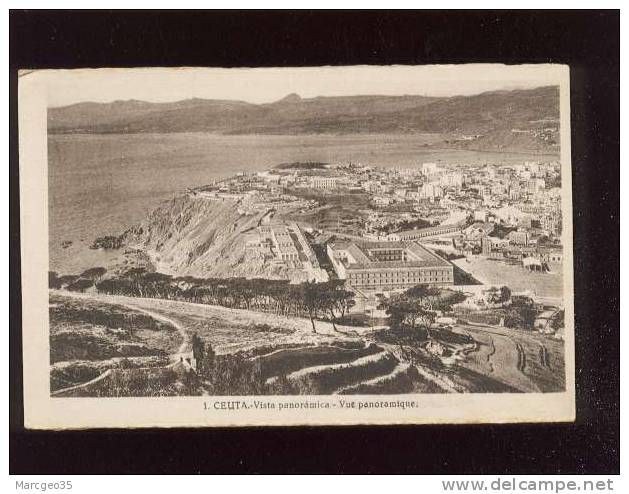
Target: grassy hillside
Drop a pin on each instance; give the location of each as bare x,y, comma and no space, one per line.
88,337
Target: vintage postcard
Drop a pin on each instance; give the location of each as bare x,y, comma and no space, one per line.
296,246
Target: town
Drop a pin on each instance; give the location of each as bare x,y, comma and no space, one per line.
384,230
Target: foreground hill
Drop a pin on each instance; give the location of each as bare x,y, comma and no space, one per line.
493,115
281,355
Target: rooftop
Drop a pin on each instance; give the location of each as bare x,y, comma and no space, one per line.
367,255
429,229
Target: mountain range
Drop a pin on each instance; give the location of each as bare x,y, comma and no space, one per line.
503,118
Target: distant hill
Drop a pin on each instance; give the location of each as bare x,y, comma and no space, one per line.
298,165
503,118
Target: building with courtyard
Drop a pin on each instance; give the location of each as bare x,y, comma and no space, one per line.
388,266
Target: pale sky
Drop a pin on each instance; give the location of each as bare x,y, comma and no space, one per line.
263,85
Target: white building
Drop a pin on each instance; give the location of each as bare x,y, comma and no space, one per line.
321,182
429,168
431,190
452,180
382,200
533,166
400,192
514,193
480,216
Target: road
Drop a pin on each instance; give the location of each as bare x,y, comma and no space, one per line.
525,361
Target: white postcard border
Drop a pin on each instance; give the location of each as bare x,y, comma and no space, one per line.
44,412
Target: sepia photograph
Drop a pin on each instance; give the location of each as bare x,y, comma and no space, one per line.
371,244
335,231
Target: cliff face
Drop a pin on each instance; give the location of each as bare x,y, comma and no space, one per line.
202,237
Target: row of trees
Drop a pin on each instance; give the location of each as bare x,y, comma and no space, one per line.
328,300
412,311
76,283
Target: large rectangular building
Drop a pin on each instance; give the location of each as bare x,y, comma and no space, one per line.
387,266
431,231
323,182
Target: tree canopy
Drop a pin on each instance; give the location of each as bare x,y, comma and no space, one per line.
414,310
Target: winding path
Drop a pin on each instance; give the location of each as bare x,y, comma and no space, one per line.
184,348
98,378
181,354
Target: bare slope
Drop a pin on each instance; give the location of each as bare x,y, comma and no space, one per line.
203,237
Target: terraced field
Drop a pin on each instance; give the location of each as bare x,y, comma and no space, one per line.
343,368
89,337
284,356
523,360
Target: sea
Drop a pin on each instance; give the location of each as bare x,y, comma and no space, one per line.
103,184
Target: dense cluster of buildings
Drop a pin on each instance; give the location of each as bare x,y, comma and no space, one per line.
286,244
282,242
509,213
